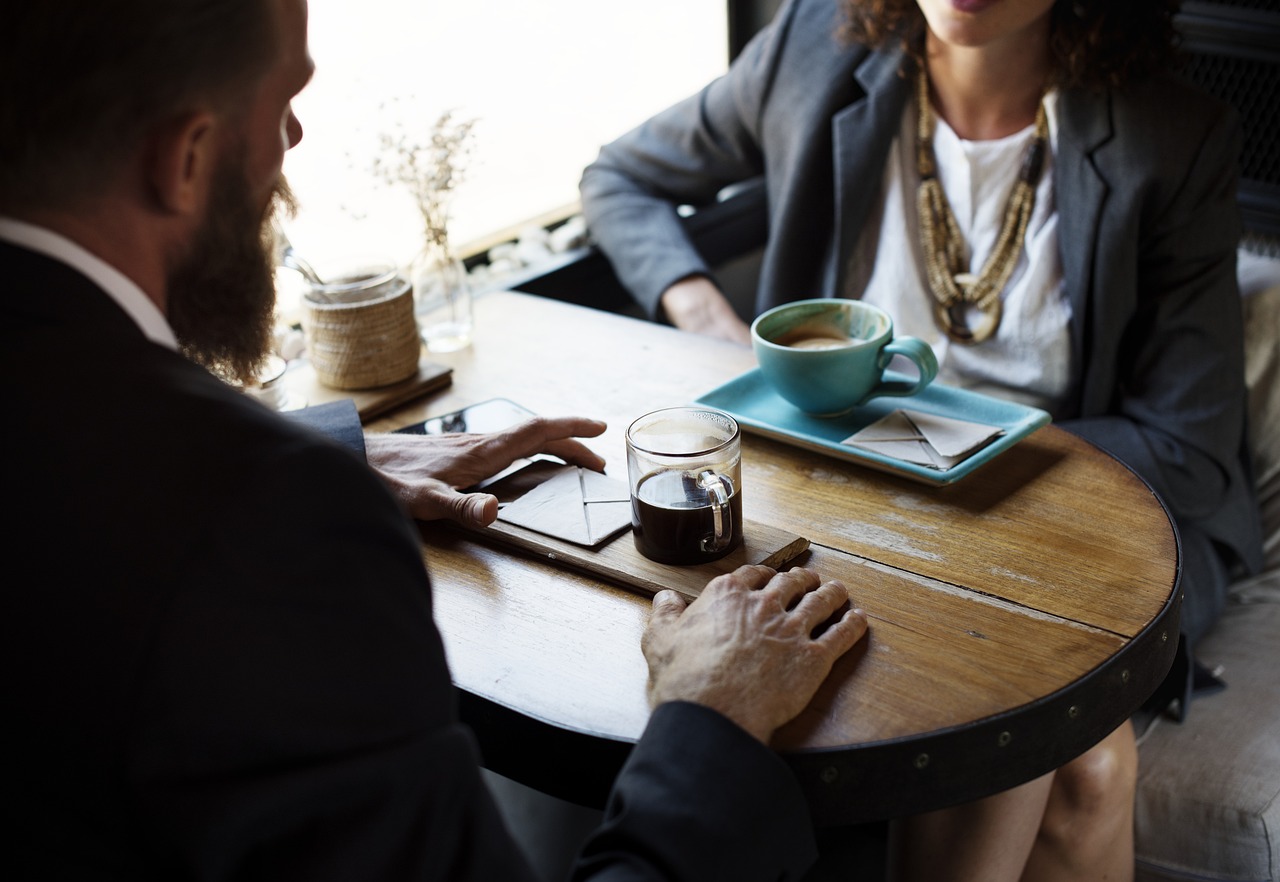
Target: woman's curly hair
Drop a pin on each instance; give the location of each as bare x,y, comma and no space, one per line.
1095,43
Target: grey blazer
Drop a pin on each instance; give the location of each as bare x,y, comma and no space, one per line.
1145,186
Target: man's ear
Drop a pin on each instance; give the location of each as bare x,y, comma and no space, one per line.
181,161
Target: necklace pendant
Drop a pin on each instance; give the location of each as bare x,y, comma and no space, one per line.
965,283
955,321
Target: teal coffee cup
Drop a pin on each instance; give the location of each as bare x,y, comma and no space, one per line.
828,356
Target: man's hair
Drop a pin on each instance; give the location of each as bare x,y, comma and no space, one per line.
1095,44
82,84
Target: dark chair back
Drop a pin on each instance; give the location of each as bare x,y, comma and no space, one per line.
1232,50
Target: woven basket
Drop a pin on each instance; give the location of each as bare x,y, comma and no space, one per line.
365,344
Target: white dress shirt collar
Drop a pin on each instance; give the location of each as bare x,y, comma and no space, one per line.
123,290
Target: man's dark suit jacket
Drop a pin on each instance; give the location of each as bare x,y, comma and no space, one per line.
1144,185
220,661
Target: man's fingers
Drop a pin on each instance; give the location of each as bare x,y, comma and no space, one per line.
574,453
477,509
439,501
793,585
749,576
822,610
577,427
535,433
821,598
841,635
551,435
668,606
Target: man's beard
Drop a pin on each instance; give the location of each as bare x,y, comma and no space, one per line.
221,293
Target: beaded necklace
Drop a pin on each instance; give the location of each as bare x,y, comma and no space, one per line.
959,292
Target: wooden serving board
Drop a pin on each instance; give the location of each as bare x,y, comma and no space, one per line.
300,381
620,562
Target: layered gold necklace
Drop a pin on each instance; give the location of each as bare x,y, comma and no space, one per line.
958,293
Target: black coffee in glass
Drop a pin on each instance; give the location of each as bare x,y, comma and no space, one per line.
674,517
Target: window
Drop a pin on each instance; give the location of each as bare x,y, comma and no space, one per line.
548,83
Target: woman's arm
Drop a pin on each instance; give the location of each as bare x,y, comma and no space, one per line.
684,155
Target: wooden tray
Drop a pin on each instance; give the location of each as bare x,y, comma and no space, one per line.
752,402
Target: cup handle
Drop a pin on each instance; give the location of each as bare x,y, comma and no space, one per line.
921,355
721,514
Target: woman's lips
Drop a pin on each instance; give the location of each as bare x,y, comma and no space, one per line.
971,6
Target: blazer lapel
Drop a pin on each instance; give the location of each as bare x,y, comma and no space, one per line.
1081,188
861,135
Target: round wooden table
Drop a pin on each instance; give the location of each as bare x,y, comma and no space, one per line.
1017,615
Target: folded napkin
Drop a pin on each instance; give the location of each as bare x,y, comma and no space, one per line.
575,504
925,439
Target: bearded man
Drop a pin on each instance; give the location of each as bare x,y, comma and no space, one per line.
217,640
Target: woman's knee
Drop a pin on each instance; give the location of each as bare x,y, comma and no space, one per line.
1102,781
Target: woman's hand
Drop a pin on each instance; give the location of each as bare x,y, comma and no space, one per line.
696,305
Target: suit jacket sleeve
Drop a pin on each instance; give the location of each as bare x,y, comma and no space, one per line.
338,420
322,742
700,799
1165,390
297,720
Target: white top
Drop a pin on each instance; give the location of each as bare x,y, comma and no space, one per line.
1029,359
123,290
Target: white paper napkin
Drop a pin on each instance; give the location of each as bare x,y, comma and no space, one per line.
576,504
925,439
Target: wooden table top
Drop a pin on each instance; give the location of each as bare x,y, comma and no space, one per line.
1017,616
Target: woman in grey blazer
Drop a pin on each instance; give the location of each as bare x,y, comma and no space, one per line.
1132,234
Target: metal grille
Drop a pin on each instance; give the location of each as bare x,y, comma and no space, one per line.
1262,5
1232,50
1253,88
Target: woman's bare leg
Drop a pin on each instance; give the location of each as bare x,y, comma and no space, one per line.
1087,832
1072,824
984,841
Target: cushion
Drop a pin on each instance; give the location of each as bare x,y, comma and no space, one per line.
1208,804
1262,373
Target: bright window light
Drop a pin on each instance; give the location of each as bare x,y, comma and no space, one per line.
548,83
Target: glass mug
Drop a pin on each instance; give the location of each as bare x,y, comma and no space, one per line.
684,468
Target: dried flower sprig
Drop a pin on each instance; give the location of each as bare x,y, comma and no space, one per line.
430,171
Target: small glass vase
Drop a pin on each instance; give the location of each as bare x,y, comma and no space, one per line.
441,298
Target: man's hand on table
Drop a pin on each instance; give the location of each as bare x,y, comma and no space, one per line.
746,648
696,305
427,472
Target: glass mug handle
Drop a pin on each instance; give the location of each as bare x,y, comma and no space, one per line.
721,515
